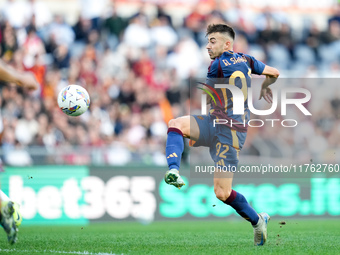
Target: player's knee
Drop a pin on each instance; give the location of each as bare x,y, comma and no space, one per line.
174,123
222,194
171,123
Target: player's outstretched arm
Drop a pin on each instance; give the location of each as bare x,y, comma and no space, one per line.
271,74
24,79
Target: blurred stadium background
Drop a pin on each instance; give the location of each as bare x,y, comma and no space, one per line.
136,59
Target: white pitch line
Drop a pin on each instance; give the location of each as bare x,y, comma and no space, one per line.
58,252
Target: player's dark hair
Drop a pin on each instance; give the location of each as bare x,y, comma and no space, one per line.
221,28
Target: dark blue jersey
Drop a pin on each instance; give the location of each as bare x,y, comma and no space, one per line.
235,69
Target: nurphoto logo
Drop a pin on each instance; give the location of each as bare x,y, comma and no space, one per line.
239,97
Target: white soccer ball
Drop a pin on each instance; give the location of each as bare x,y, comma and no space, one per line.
73,100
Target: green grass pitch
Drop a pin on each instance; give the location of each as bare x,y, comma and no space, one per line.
177,237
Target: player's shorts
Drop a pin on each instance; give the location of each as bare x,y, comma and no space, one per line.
224,143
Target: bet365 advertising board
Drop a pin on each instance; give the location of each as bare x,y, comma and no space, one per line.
81,194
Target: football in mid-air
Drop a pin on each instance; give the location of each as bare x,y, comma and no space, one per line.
73,100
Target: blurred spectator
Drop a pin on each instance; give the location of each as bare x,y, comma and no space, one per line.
114,25
16,13
39,69
162,33
336,14
144,67
186,58
195,23
242,18
161,14
27,127
60,33
33,48
137,34
9,42
61,57
81,29
41,13
93,10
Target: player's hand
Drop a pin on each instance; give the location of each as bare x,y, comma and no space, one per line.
267,94
28,81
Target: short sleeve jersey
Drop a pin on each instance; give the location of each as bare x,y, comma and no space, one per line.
233,69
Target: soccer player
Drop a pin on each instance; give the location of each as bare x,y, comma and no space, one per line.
10,217
224,141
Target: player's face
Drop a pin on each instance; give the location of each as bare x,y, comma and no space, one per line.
217,44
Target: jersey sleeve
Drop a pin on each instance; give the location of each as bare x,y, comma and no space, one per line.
255,65
214,72
213,69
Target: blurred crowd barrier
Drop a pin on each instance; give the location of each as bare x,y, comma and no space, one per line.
137,58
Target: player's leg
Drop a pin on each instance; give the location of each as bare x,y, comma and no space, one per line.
225,193
225,153
16,214
7,221
226,159
10,217
177,129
